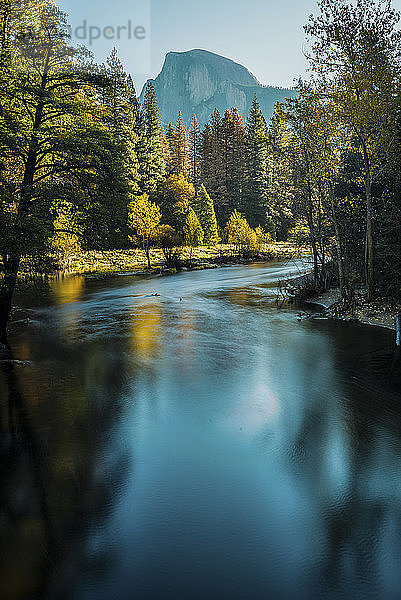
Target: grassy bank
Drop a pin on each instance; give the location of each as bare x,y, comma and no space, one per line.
128,261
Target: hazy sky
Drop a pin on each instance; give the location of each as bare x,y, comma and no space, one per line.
264,35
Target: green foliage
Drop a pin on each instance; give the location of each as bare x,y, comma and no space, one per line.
194,171
299,235
204,209
174,197
150,151
143,222
192,229
255,203
262,236
222,158
179,148
240,234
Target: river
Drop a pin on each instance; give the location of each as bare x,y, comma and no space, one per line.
201,444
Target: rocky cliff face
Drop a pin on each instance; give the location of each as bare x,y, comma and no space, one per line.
197,82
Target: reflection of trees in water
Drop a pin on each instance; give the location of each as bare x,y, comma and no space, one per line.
348,452
56,480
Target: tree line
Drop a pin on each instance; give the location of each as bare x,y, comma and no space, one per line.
84,166
337,147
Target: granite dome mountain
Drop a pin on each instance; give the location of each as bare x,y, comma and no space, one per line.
198,81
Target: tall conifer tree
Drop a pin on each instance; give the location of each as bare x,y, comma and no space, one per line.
122,115
152,166
255,201
179,148
212,165
170,142
234,154
194,152
204,209
166,149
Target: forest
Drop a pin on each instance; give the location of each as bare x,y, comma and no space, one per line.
84,166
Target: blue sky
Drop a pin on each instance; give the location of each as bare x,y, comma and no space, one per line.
266,36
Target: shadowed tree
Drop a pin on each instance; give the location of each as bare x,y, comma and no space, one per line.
53,135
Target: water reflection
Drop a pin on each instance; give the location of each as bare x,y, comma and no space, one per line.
215,442
146,328
56,480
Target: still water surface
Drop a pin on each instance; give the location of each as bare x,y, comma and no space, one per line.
206,449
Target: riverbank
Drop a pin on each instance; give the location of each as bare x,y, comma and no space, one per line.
379,313
134,261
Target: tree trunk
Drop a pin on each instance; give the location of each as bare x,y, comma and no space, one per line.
369,256
340,263
148,257
12,262
312,230
6,293
369,259
315,262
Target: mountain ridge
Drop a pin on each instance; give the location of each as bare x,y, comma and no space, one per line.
198,81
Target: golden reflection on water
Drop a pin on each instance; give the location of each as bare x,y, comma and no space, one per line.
239,296
69,290
146,325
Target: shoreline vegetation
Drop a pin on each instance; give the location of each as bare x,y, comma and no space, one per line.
134,261
377,313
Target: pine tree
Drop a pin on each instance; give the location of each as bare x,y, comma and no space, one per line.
152,167
204,209
193,231
255,201
194,152
212,166
132,163
170,142
121,111
166,149
179,148
234,153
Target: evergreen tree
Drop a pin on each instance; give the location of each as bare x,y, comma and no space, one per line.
132,162
233,133
179,148
194,153
204,209
106,224
193,231
166,150
152,166
255,201
170,145
212,165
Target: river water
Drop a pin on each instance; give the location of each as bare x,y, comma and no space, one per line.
208,448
